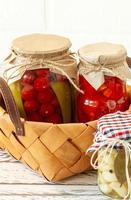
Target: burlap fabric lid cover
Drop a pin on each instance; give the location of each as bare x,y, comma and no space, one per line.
103,58
40,44
47,50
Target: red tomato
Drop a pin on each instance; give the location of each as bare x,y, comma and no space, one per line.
28,77
55,118
28,92
46,110
41,83
46,96
31,105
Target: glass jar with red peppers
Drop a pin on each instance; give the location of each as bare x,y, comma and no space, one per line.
102,77
39,77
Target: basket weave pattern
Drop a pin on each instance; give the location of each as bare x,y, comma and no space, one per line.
54,151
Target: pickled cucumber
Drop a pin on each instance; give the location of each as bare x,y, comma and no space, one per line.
63,93
119,188
119,166
16,91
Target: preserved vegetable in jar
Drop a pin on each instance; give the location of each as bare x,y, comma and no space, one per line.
39,77
102,77
113,148
112,173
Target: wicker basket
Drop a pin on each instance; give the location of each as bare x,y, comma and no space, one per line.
55,151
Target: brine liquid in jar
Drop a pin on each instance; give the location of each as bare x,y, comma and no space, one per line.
110,97
112,180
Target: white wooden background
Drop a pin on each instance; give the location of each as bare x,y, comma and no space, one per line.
83,21
18,182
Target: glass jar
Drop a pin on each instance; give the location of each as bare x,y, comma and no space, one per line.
112,179
111,154
40,89
102,77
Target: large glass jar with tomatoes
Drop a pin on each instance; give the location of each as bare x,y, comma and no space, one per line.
102,77
40,89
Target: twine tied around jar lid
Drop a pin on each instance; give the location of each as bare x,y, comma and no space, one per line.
40,51
101,59
113,131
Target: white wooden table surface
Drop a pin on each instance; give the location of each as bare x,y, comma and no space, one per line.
18,182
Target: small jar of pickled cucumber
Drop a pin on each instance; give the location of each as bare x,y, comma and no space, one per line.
41,66
102,77
113,148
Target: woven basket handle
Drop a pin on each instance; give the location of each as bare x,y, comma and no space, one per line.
11,107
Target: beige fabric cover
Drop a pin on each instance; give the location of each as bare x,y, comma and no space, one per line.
40,44
103,58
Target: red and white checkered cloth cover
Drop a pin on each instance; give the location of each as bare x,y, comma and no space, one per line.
116,125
